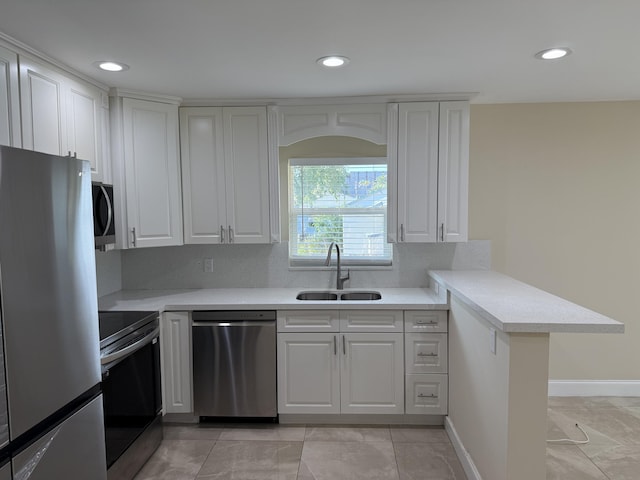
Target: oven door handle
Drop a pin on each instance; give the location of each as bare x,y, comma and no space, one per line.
134,347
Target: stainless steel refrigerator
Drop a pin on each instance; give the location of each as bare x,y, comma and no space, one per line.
51,419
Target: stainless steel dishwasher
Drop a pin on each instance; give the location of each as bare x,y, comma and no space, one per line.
234,363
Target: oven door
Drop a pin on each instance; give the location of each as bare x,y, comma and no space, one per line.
131,389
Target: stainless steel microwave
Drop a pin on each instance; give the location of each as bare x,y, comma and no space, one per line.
104,229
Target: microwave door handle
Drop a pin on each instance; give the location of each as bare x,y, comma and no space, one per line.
143,342
109,210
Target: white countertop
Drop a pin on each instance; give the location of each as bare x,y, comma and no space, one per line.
513,306
264,299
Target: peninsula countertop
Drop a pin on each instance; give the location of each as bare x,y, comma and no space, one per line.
514,306
265,299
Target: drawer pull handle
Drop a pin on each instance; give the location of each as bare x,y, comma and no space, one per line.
430,322
420,354
431,395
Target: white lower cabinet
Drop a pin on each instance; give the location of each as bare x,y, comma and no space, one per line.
335,372
177,376
426,362
308,374
372,373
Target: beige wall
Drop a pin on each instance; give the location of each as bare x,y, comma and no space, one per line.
556,188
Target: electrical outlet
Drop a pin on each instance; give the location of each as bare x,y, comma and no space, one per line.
208,265
492,340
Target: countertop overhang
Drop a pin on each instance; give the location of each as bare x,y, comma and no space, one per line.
516,307
265,299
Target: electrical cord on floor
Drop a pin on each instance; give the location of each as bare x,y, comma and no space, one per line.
573,442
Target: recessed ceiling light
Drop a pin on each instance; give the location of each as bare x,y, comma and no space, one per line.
110,66
553,53
333,61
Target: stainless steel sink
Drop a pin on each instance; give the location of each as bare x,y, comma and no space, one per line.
317,296
361,296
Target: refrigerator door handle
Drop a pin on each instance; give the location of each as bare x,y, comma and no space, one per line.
134,347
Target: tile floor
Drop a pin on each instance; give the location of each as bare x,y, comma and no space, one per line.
280,452
613,426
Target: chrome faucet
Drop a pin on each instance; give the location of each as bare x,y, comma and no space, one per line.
339,278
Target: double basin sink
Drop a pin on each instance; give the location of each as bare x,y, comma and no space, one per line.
334,296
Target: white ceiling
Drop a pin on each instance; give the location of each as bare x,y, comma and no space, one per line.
242,49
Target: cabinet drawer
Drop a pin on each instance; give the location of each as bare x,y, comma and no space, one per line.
308,321
427,394
425,321
425,352
371,321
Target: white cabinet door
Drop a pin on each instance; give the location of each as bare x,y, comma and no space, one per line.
418,172
9,99
308,374
247,174
453,172
42,105
152,173
225,174
84,125
372,373
177,377
203,176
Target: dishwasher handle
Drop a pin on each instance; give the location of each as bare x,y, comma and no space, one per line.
245,323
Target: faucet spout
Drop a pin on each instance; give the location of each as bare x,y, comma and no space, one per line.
339,278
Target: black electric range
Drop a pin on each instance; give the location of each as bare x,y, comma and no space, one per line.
131,388
117,325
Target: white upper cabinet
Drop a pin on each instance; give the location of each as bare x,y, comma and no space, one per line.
9,99
453,172
433,172
418,172
62,116
225,168
151,173
44,127
84,114
366,121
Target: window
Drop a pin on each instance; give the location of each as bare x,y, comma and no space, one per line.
342,200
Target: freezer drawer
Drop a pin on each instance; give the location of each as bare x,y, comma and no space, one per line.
73,449
5,472
234,364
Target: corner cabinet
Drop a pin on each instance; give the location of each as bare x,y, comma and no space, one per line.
146,162
62,116
177,376
432,172
9,99
225,174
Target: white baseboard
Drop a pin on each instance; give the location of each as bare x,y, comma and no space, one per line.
465,459
594,388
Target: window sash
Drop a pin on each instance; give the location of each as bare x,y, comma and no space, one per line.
354,242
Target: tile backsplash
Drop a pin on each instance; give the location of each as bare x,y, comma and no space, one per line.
268,266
